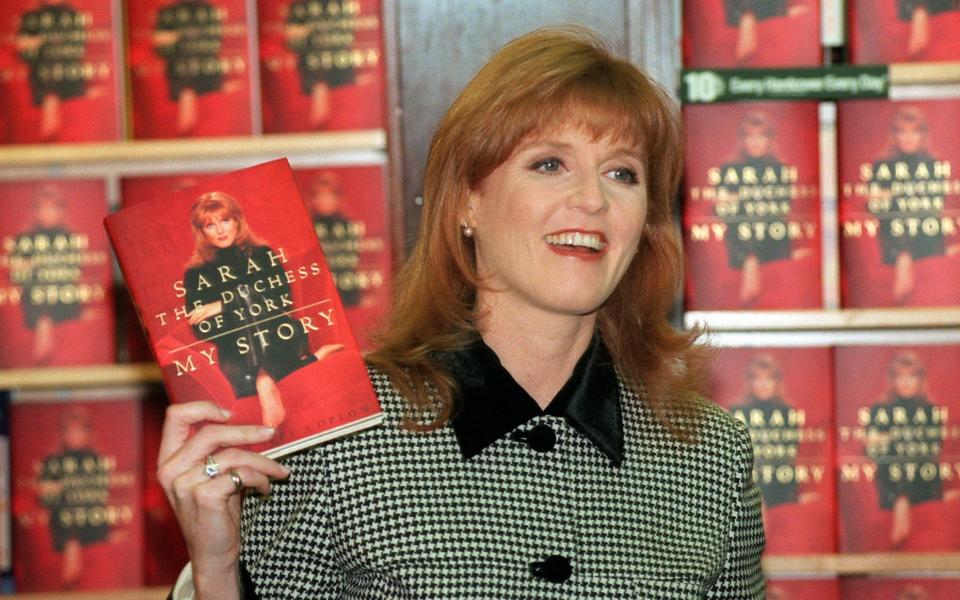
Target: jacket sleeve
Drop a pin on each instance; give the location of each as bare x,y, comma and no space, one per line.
286,536
741,577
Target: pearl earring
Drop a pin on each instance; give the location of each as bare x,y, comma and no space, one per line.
467,231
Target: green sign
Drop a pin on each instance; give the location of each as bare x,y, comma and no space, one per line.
822,83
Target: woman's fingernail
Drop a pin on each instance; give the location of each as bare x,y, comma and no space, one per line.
285,469
267,430
225,413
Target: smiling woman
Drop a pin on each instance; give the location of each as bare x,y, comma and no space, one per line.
542,437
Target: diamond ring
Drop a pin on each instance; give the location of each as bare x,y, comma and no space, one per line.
211,468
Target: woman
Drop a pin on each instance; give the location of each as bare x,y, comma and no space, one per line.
225,301
541,435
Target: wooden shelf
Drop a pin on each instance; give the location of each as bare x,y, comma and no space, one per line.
74,377
132,151
154,593
863,564
925,73
824,320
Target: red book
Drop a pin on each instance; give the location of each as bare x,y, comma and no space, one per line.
903,31
890,588
804,589
161,529
899,203
6,544
58,71
751,33
784,396
898,448
239,306
56,280
350,215
76,491
190,68
321,65
752,206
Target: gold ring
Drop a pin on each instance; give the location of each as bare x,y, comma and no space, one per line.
237,482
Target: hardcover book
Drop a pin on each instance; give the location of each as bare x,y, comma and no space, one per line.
190,68
751,33
56,280
805,589
76,491
321,65
161,529
784,396
350,216
897,31
899,203
751,214
898,448
6,543
239,306
59,62
897,588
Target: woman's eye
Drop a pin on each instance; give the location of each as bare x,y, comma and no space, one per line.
624,174
209,226
548,165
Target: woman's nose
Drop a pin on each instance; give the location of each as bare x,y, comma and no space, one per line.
589,195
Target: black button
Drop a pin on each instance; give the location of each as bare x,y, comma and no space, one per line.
555,568
541,438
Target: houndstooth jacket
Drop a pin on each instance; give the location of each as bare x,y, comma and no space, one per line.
606,504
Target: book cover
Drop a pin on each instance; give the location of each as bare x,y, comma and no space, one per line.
161,529
351,218
76,491
899,203
56,280
804,589
134,190
901,588
6,543
751,213
321,65
896,31
190,68
785,396
751,33
59,62
898,448
239,306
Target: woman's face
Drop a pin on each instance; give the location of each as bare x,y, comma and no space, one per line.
558,223
220,230
909,138
757,142
763,385
906,383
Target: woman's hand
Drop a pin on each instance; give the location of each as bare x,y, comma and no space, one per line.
205,311
203,476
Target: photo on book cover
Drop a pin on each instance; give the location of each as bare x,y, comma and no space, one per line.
896,31
190,68
59,77
751,33
751,212
56,279
321,65
898,448
899,203
239,305
784,396
77,509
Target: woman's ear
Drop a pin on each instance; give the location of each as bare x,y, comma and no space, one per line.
466,217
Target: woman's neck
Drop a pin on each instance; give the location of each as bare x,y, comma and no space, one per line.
539,350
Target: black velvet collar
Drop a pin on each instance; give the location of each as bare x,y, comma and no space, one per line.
491,404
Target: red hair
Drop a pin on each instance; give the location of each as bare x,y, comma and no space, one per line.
521,92
217,203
